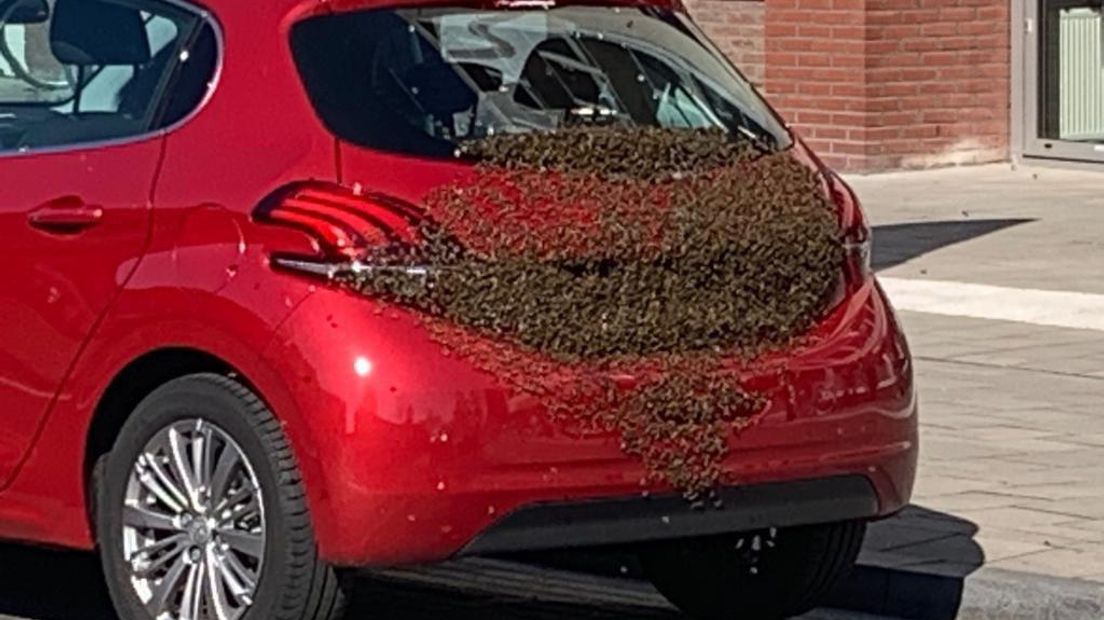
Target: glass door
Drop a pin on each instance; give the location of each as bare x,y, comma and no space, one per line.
1064,86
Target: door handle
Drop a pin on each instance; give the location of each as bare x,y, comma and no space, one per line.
66,215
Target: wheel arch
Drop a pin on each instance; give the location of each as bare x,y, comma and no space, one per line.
130,386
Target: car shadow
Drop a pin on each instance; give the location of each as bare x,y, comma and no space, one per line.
47,584
897,243
913,566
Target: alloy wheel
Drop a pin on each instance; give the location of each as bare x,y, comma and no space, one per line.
194,524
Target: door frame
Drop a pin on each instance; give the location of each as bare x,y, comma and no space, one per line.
1026,57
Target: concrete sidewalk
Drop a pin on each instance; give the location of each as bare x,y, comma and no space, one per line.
1011,485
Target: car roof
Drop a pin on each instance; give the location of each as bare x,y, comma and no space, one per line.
353,5
295,10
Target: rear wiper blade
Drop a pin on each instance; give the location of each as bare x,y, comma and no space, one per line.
760,140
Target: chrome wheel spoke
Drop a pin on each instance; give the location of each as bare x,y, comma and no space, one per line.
164,590
216,595
236,500
136,516
150,560
223,470
191,603
244,542
182,468
157,480
244,505
220,579
241,574
201,455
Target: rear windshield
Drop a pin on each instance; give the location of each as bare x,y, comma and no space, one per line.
422,80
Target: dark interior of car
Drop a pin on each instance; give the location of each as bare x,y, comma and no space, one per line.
86,37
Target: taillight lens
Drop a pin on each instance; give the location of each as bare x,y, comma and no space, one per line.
341,224
854,229
855,235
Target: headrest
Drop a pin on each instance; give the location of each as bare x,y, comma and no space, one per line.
98,32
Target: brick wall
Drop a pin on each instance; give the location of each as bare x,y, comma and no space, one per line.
736,26
877,84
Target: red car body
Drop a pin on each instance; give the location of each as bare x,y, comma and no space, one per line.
407,454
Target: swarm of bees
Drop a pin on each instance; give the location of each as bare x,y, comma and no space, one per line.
677,257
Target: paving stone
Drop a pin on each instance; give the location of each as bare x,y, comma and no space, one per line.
1012,414
976,500
1016,517
974,550
1064,562
1082,507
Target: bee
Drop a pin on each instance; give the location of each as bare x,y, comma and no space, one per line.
603,248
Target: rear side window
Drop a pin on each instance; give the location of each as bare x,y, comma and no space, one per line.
419,81
80,71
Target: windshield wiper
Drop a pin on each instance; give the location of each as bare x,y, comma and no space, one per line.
764,144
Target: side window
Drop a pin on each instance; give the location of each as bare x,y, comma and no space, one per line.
77,71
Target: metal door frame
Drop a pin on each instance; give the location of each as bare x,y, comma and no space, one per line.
1026,59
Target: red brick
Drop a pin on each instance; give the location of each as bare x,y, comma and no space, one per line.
957,13
774,29
939,29
892,82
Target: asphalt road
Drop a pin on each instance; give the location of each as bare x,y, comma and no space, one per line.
38,584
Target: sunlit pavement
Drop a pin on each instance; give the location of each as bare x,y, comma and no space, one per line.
997,277
1012,411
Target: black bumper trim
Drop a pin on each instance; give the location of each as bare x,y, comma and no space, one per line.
639,519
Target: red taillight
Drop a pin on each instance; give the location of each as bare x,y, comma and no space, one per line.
854,230
342,224
855,235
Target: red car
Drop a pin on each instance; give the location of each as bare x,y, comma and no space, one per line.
186,386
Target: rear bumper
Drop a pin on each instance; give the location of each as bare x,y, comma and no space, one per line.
639,519
410,454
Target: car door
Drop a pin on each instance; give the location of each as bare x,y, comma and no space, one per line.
79,155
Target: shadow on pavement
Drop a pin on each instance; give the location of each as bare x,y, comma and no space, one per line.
913,566
390,600
897,243
43,584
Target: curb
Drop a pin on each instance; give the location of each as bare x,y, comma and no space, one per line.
986,594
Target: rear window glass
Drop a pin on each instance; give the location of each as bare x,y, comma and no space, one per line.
421,80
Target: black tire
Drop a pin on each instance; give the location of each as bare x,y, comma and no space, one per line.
722,578
294,583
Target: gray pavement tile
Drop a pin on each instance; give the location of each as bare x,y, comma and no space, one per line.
974,500
1080,507
1085,456
1005,432
1012,414
1084,487
1057,536
929,490
1088,439
990,224
1016,517
998,472
1057,562
946,449
923,518
943,568
963,549
1047,474
891,534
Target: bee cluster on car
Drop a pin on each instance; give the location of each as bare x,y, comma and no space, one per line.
623,251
